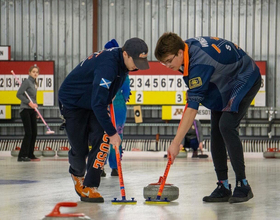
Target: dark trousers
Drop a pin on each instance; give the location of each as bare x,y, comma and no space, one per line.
191,143
225,134
29,120
83,128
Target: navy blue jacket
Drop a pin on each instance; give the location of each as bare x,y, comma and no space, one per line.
219,73
94,83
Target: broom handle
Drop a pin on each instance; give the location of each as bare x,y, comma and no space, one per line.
161,187
112,113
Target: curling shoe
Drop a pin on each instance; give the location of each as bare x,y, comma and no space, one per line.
241,193
114,172
34,158
220,194
103,174
90,194
78,182
24,159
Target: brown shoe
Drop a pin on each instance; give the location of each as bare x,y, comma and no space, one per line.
78,182
90,194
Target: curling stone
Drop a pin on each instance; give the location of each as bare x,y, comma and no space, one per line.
37,152
63,152
15,152
55,214
277,154
170,192
269,153
182,154
48,152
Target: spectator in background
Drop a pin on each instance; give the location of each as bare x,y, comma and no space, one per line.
28,115
194,140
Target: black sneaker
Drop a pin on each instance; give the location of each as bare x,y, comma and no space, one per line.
220,194
114,172
103,174
34,158
241,193
23,159
195,154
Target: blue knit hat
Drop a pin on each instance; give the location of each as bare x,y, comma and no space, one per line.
111,43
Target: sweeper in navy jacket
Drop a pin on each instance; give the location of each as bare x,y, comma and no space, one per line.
223,78
84,97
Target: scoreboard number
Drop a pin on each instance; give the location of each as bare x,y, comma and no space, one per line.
155,83
48,82
132,82
147,83
9,82
171,83
139,97
179,98
40,81
139,83
2,82
179,84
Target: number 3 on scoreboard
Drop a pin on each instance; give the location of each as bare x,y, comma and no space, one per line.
179,97
139,97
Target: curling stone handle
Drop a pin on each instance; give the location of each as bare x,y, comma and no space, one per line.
56,213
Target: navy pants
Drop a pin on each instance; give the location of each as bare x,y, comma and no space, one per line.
192,143
225,134
83,128
29,120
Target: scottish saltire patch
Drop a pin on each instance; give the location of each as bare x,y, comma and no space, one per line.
105,83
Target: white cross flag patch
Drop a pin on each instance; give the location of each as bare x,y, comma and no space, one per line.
105,83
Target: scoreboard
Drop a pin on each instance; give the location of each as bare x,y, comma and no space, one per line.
160,85
157,86
9,85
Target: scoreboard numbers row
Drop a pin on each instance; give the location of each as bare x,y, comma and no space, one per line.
8,82
157,83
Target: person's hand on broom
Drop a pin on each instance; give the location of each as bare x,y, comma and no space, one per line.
33,105
115,140
173,150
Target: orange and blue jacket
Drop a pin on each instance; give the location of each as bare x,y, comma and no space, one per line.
218,73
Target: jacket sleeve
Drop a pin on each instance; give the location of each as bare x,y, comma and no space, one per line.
126,88
103,79
21,92
199,78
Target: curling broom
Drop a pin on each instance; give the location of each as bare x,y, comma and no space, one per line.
158,199
123,201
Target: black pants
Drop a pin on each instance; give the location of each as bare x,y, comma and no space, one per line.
225,133
82,128
29,120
